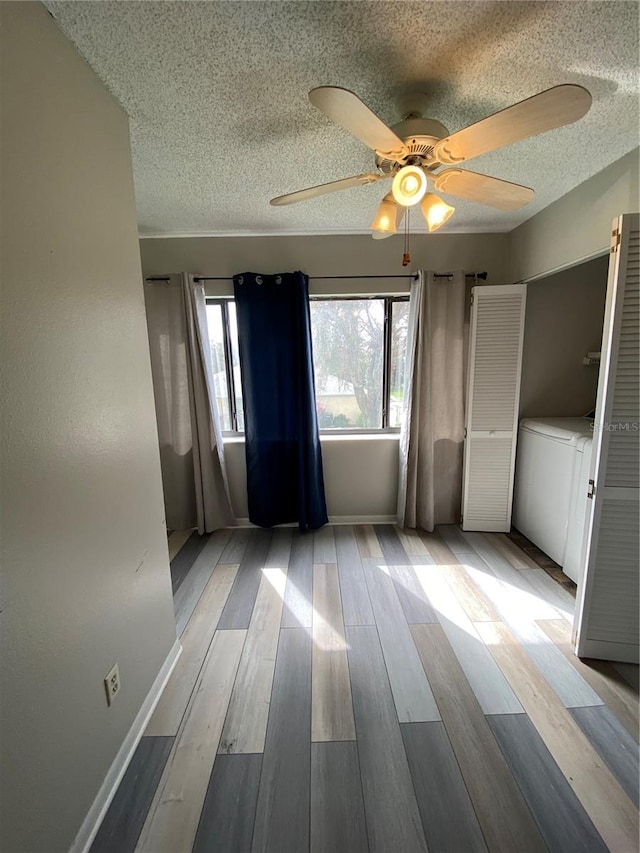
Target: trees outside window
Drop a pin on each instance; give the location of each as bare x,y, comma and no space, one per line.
348,356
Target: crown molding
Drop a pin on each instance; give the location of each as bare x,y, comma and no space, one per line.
344,233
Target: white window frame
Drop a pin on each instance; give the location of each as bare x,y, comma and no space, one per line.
387,299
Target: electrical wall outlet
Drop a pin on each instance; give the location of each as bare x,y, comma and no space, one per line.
112,684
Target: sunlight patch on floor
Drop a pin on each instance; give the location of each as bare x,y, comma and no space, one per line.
325,636
277,578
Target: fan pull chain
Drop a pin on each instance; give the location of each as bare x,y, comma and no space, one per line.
406,258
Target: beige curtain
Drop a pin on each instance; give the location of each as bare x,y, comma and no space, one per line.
432,436
196,491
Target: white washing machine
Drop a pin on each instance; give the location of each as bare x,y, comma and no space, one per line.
550,492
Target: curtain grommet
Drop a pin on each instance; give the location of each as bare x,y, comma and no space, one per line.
258,279
278,279
240,279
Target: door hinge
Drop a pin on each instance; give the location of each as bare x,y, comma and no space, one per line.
592,490
615,240
465,432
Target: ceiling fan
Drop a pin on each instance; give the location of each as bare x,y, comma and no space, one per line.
410,152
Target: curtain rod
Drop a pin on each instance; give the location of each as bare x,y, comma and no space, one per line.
413,276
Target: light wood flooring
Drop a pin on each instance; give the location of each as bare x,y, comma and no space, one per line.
375,689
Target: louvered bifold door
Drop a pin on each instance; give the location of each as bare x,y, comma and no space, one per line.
607,614
493,392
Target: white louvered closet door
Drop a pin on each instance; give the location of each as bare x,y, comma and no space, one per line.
607,614
493,393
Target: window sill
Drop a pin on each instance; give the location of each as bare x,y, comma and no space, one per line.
374,435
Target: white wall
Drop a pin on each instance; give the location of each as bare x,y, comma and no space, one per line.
563,322
84,553
578,225
360,473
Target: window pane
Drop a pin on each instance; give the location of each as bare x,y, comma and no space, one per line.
348,360
399,323
216,337
235,359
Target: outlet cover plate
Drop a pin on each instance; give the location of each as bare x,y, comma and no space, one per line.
112,684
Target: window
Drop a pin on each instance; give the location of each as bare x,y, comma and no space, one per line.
223,335
359,347
358,353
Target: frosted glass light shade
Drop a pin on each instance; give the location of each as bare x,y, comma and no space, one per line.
385,222
436,211
409,185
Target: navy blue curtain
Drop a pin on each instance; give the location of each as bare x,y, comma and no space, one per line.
284,463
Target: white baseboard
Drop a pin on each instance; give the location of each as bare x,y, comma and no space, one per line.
362,519
335,519
92,821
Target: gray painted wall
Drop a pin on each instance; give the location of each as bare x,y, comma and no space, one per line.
563,322
360,476
84,553
356,254
577,226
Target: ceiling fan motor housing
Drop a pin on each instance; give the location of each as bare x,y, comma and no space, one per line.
419,135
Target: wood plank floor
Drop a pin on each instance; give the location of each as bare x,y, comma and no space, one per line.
365,688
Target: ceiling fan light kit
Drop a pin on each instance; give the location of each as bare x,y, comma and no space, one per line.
386,220
435,211
409,185
414,149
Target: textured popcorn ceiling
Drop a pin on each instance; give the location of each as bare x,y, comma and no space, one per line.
220,120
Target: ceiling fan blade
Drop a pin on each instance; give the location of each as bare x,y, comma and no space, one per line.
323,189
347,110
483,189
549,109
